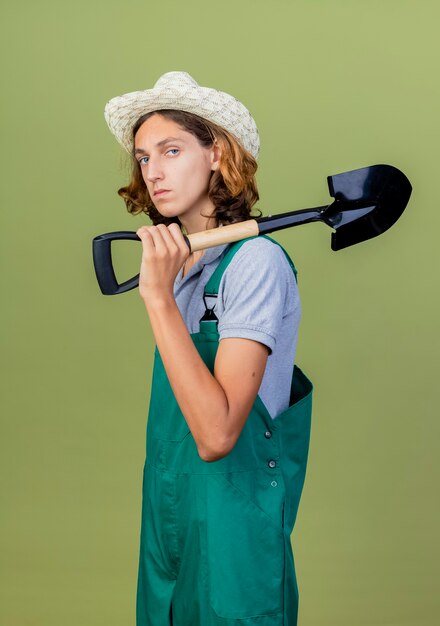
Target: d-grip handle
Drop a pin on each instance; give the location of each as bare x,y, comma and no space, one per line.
102,254
102,260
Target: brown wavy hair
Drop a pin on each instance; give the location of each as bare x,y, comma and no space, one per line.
232,187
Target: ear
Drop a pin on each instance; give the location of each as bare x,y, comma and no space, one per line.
215,156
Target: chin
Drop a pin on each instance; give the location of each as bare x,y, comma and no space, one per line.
169,210
168,214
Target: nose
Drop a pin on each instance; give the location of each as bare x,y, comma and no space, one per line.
154,171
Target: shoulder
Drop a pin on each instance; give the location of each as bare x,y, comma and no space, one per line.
260,270
261,256
257,290
262,244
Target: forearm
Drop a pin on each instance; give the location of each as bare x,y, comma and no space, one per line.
200,396
215,407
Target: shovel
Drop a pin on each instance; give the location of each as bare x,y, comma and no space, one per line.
367,202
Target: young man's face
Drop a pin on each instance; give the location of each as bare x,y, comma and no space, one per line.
173,160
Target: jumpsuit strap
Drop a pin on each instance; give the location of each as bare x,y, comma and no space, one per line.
212,286
209,318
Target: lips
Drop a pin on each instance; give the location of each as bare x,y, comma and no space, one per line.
160,192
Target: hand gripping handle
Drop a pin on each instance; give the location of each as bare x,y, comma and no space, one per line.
102,260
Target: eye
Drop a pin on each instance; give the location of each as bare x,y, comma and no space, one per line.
142,162
173,150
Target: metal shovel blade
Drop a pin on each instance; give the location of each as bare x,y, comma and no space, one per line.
368,201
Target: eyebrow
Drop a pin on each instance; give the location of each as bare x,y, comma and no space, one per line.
160,143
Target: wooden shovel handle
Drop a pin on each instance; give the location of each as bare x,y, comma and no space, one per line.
223,234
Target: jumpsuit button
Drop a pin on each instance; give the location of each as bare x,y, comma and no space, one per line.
268,434
272,464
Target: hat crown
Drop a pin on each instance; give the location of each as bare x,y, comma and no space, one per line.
175,79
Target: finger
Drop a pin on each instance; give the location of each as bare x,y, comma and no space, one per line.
144,234
176,234
161,244
168,239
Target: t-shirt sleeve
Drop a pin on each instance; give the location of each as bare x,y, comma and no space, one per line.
258,290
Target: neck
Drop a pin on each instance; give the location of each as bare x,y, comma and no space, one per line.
197,222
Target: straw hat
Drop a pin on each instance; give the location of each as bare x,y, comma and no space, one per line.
178,90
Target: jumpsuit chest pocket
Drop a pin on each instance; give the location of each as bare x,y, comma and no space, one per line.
165,419
245,551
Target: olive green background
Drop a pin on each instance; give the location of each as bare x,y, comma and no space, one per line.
333,86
